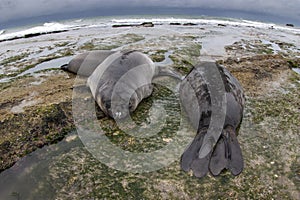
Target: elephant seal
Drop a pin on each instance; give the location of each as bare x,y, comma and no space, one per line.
197,103
120,80
84,64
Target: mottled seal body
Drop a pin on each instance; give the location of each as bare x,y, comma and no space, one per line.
84,64
197,103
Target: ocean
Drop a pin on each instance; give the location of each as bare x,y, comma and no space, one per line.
108,22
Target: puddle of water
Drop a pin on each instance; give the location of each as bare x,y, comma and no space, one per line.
297,70
25,103
275,47
55,63
52,64
28,177
213,49
167,60
5,80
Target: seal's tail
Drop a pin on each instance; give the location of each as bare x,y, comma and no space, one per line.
227,154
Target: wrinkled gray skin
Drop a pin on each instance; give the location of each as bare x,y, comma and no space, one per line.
120,80
85,64
196,100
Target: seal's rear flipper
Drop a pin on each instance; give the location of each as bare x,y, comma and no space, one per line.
236,163
218,159
227,154
165,71
64,67
200,166
190,158
191,153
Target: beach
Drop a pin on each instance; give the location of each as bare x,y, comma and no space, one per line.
42,156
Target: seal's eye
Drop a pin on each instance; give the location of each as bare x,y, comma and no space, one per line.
130,105
107,104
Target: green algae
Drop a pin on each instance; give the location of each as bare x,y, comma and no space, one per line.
293,64
158,56
280,107
181,65
61,44
295,172
192,50
14,59
88,46
34,129
111,43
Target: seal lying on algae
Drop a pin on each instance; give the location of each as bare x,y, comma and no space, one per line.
120,80
197,103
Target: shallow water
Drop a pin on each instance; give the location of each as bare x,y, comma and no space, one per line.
52,64
28,178
167,61
297,70
275,47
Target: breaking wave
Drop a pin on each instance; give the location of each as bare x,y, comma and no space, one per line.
37,30
54,27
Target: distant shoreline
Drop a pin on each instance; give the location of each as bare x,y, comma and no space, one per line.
150,11
130,21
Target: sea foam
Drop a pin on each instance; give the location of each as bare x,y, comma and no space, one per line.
54,27
37,30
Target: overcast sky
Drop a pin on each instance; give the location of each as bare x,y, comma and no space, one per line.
20,9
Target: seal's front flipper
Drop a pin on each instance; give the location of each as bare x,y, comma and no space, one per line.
166,71
64,67
227,154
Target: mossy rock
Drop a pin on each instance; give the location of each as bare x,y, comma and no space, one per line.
37,127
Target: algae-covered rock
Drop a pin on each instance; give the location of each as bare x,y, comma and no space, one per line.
36,110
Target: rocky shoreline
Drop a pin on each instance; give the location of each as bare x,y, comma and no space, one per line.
36,110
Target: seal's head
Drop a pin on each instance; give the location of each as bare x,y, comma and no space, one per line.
121,108
116,106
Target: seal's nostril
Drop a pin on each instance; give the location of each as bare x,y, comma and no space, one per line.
118,114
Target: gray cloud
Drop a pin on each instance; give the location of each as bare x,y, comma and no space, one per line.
15,9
